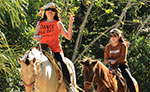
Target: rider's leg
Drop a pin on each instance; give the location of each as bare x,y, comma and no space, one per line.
64,67
127,75
59,58
44,47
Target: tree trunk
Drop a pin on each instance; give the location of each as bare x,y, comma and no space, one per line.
80,32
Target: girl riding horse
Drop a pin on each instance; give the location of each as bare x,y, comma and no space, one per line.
50,28
116,53
96,72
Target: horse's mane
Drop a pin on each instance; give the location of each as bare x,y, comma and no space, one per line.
99,68
102,73
97,65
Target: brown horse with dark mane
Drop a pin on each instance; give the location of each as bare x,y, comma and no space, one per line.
106,80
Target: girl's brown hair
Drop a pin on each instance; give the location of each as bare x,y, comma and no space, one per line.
122,40
55,17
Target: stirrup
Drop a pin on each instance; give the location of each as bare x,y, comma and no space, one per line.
71,88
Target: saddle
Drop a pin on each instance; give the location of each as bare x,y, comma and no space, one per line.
48,53
58,65
116,71
52,60
59,69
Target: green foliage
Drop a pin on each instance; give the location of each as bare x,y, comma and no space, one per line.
10,80
139,57
14,9
19,17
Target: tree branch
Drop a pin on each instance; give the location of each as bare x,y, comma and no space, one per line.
124,11
142,25
115,25
80,32
66,9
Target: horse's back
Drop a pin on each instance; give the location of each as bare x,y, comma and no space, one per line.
135,84
48,79
72,72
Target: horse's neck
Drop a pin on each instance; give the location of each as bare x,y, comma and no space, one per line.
102,71
47,69
108,78
47,77
103,68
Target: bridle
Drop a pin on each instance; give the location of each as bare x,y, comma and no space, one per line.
28,85
91,82
32,83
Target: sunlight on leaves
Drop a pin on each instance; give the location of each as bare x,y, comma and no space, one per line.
108,11
136,20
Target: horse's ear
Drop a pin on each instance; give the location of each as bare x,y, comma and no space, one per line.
20,60
94,63
34,59
86,63
19,69
81,62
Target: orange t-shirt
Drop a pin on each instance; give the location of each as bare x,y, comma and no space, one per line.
50,33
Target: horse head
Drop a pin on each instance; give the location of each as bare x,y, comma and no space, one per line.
88,68
27,70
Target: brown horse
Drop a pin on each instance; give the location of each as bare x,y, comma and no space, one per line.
96,72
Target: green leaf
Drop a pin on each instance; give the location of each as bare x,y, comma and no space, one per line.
136,20
108,11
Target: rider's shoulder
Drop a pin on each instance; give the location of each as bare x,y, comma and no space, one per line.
123,44
108,45
38,22
59,22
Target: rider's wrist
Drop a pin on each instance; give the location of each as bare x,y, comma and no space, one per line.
70,24
36,36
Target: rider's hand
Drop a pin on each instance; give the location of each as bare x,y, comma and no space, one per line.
36,38
71,19
112,61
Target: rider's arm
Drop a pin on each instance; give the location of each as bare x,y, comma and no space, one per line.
64,32
122,58
106,55
37,28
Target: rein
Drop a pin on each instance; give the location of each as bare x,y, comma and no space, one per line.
91,83
104,81
28,85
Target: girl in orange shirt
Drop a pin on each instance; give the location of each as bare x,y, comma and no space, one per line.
50,28
116,53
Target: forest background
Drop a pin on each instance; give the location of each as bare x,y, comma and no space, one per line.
93,21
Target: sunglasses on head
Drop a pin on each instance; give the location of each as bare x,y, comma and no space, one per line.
52,9
114,35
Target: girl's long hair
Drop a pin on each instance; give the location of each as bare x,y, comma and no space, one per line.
122,40
55,17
